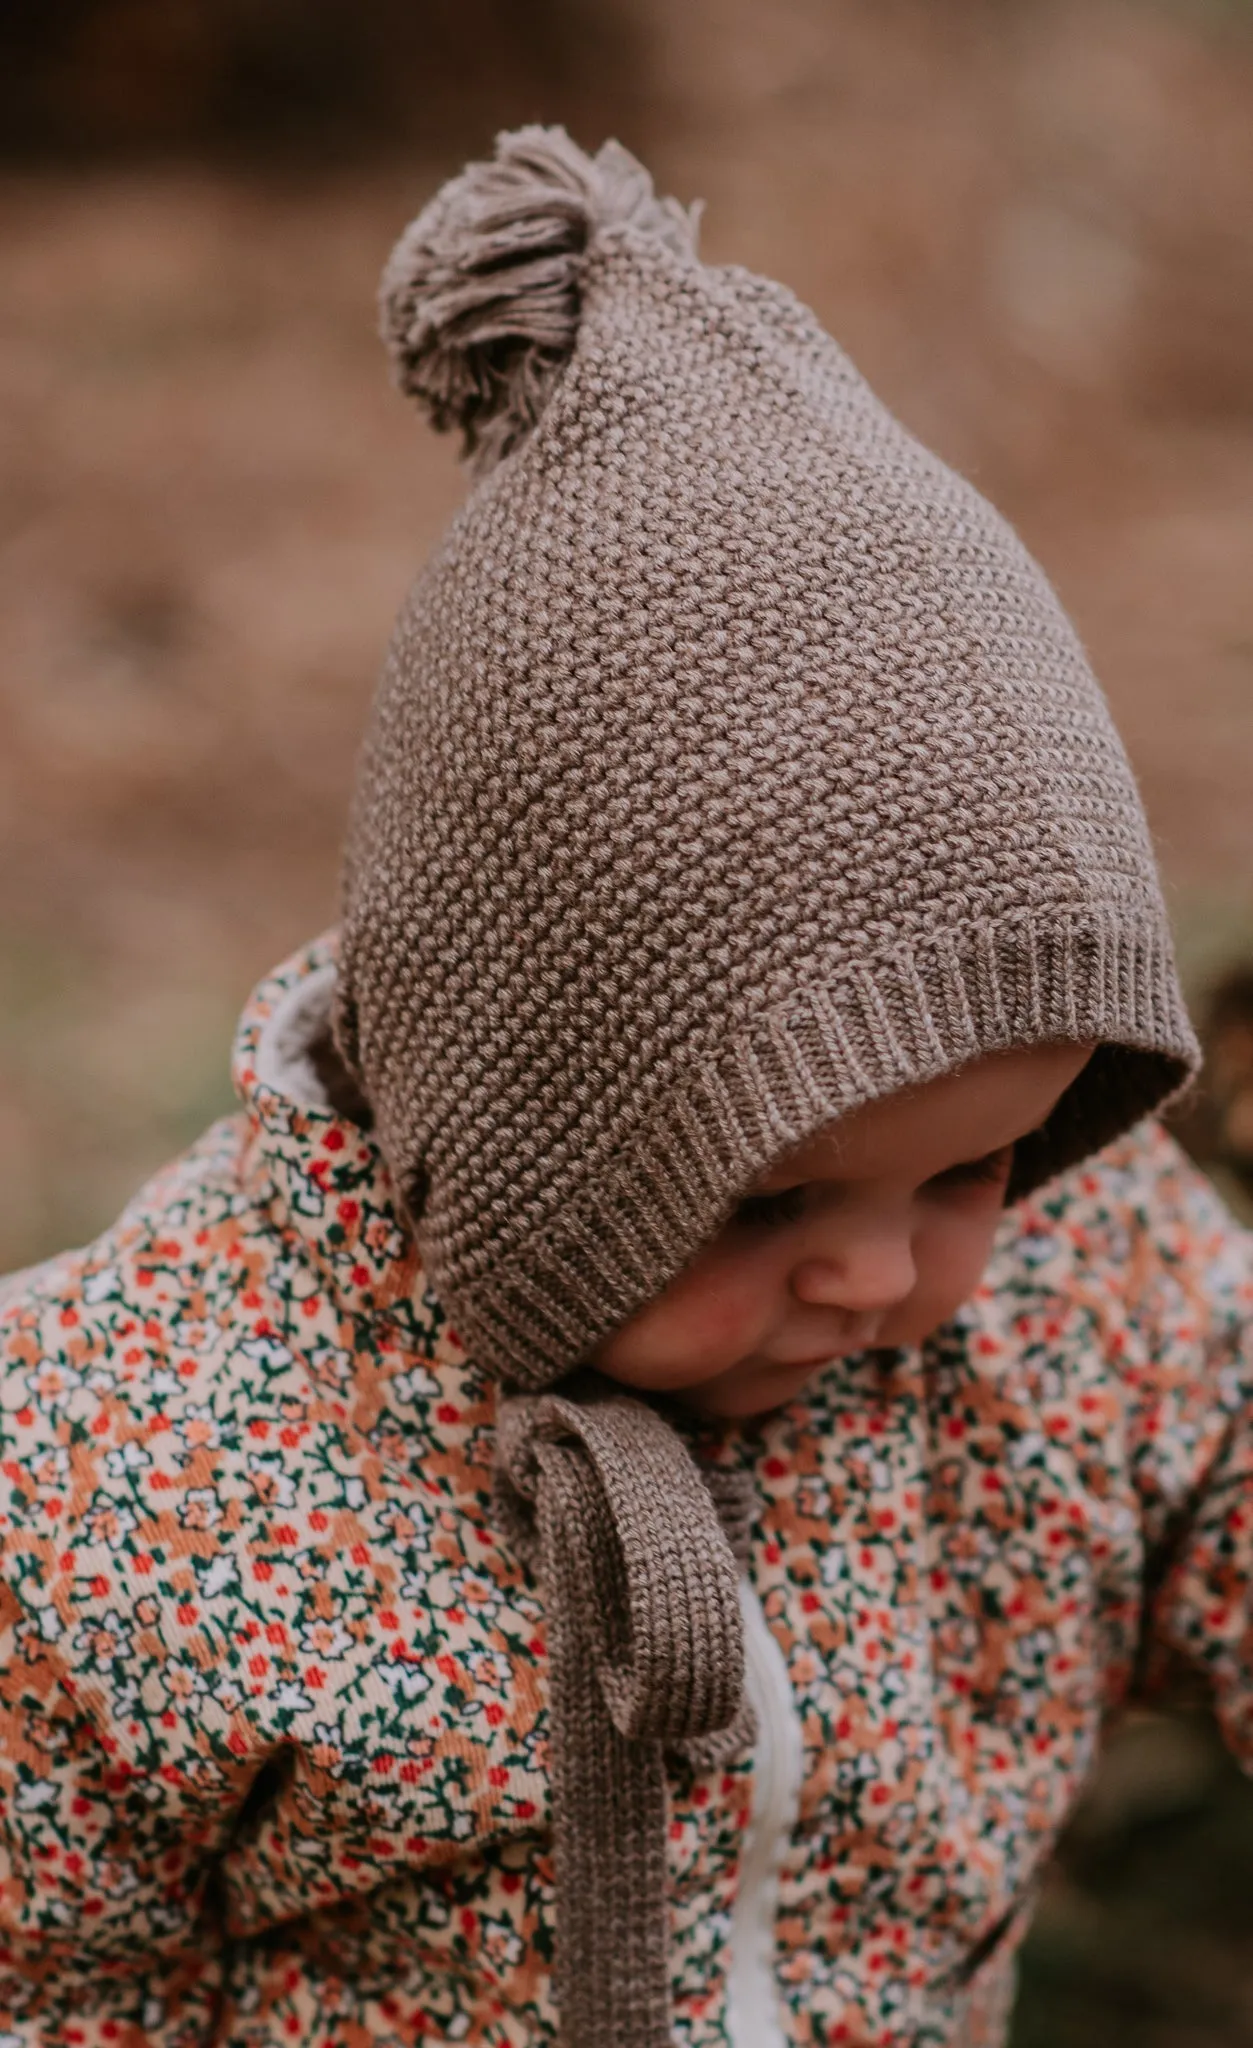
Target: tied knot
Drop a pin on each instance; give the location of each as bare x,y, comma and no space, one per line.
605,1499
638,1551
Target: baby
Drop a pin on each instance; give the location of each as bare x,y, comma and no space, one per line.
612,1502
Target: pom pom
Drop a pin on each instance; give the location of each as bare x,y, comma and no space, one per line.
480,299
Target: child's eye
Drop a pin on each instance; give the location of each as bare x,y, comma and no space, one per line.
782,1205
994,1167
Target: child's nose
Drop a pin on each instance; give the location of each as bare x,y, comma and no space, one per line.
874,1274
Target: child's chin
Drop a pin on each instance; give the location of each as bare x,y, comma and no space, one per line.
749,1399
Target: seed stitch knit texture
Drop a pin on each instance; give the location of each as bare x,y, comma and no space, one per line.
733,765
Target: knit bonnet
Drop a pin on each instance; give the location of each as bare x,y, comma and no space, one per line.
733,765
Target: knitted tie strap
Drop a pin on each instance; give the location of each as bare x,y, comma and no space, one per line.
646,1656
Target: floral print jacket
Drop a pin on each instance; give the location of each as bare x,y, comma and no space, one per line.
272,1686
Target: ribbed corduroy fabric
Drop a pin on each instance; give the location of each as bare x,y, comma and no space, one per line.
733,766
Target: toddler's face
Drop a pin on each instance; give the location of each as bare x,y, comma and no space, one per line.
871,1234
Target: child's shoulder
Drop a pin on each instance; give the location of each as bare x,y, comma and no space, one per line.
245,1488
1145,1178
1124,1292
76,1308
196,1261
104,1347
258,1299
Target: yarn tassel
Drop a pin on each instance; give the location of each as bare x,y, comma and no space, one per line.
479,303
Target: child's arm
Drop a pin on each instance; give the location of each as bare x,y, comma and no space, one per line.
1191,1417
105,1926
109,1927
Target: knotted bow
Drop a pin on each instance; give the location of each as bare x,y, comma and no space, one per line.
633,1544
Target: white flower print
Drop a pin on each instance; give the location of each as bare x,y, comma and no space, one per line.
198,1429
325,1639
125,1699
33,1798
266,1351
53,1469
222,1572
101,1285
833,1565
186,1681
408,1521
52,1382
291,1698
103,1639
200,1508
490,1668
406,1678
118,1879
109,1525
274,1485
227,1691
1026,1449
418,1384
502,1944
128,1457
327,1752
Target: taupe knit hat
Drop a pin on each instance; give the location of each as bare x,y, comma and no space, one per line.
733,765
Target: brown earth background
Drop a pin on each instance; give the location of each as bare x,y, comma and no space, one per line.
1030,221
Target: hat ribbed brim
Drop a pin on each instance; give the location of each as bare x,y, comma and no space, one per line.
874,1027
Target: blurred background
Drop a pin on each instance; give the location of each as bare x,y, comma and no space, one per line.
1030,221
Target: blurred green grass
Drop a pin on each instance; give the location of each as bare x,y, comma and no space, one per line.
104,1084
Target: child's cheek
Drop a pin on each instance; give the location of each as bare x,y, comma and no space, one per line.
951,1258
708,1319
723,1316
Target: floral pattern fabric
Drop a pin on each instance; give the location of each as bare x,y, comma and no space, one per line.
272,1686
